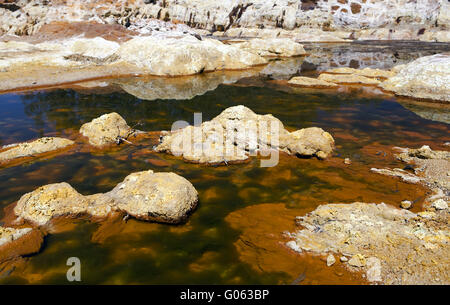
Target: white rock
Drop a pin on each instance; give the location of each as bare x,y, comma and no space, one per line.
330,260
440,204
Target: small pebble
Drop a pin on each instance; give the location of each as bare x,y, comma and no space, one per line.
347,161
344,259
330,260
406,204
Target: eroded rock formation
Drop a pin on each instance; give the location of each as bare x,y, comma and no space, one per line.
427,78
399,19
237,133
161,197
391,245
30,149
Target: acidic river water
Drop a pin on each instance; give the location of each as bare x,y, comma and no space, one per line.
227,238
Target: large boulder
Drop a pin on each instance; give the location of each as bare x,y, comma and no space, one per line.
106,129
161,197
33,148
427,78
184,56
237,133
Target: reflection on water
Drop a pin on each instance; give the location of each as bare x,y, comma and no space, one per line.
369,54
209,248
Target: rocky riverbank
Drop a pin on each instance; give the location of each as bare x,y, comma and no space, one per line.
391,244
321,20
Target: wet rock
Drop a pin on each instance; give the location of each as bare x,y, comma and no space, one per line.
330,260
157,56
161,197
427,78
106,129
310,82
313,141
368,231
50,201
367,72
7,235
273,47
237,133
33,148
347,161
348,79
432,166
406,204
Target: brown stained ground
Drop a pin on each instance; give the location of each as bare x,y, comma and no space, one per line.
63,30
261,244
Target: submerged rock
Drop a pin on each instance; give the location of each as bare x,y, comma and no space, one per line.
273,47
106,129
427,78
33,148
310,82
161,197
237,133
348,79
379,238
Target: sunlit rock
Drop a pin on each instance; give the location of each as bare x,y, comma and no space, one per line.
379,237
367,72
30,149
427,77
185,56
239,132
310,82
281,47
348,79
161,197
107,129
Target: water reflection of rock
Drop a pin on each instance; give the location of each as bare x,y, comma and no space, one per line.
283,68
181,88
360,55
433,112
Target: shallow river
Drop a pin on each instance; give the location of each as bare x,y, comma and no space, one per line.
222,242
